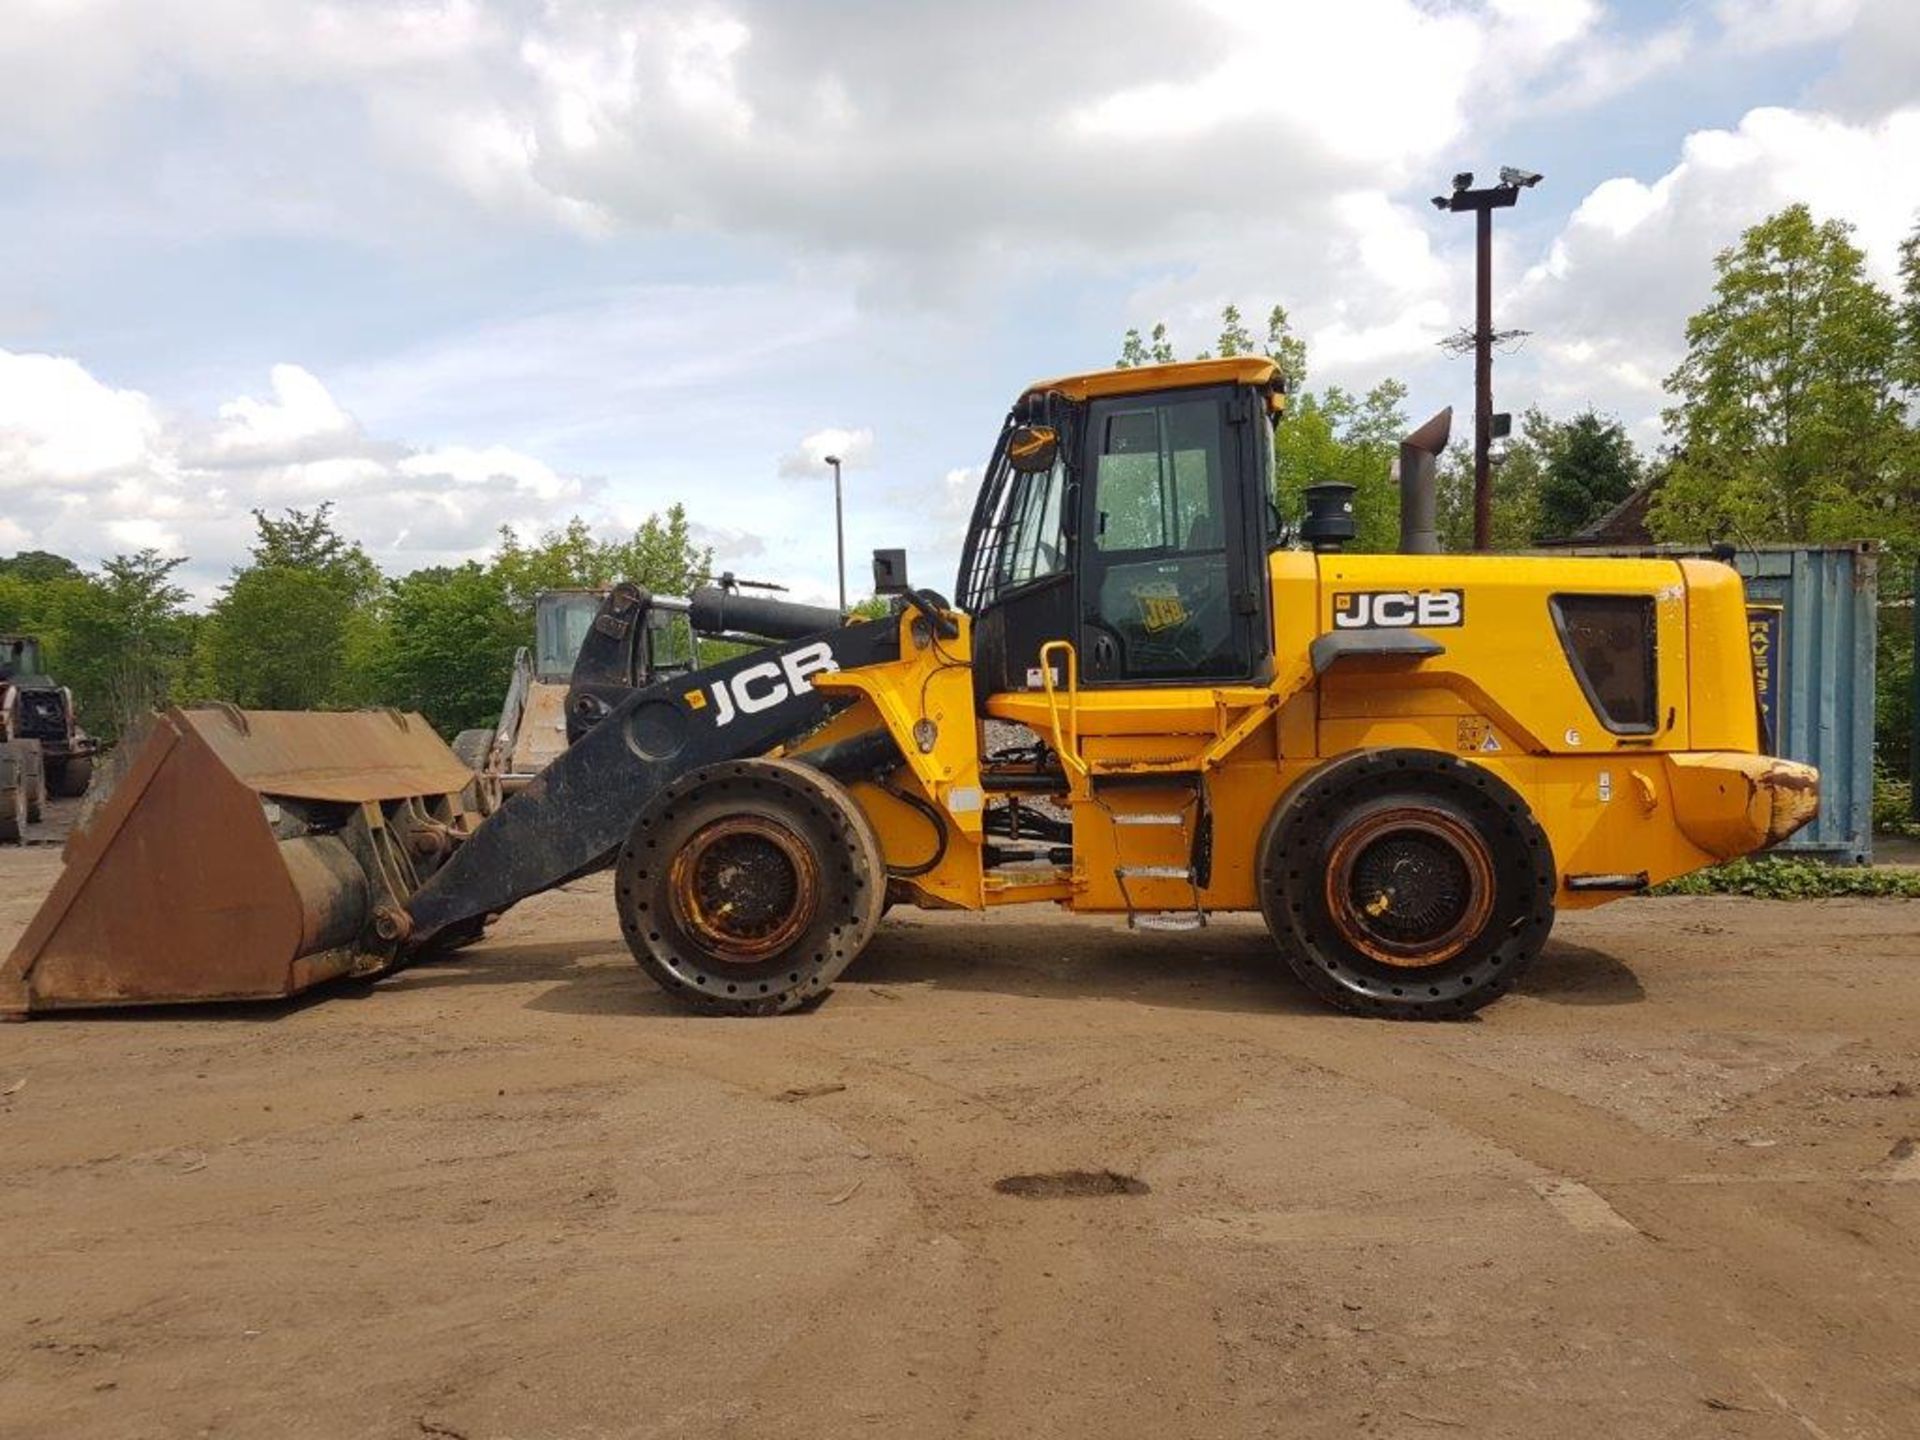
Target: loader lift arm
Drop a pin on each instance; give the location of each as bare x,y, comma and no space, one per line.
573,818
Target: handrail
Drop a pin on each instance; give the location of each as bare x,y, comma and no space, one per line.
1067,748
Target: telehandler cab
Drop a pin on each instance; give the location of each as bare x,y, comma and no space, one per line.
1406,762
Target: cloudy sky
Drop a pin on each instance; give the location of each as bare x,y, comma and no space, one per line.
460,263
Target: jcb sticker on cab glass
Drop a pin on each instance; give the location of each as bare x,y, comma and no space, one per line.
1398,609
1160,608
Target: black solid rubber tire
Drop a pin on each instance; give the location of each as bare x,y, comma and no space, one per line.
815,809
33,776
70,778
470,748
1299,839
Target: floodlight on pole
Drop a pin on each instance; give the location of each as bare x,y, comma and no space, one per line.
839,532
1483,203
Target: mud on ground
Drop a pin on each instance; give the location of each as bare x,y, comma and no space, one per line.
1024,1177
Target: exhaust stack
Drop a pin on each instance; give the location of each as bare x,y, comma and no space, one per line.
1419,526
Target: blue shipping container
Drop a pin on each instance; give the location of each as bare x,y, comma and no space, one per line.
1813,614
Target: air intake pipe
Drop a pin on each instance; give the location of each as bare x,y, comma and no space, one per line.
1419,526
715,611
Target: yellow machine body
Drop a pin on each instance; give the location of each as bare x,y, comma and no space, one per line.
1503,695
1496,686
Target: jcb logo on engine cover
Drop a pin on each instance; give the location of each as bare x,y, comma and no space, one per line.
761,687
1398,609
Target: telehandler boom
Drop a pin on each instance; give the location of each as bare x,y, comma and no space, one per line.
1407,763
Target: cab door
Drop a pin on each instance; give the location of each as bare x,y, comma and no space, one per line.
1171,539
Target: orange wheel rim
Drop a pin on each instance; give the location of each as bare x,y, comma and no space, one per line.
744,887
1410,887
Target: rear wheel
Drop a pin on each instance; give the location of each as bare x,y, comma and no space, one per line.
745,888
1406,884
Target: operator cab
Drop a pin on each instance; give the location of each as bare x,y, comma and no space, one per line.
19,657
1129,512
562,620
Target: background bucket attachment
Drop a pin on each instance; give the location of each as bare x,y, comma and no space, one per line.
240,855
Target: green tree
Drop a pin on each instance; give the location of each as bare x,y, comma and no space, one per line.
450,637
1908,341
1335,435
118,638
1156,350
1286,349
660,555
1786,416
1235,338
125,639
34,567
1518,475
287,627
1590,467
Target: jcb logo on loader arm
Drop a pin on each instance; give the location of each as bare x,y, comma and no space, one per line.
761,687
1398,609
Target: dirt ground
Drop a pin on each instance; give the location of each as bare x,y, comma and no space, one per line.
1671,1190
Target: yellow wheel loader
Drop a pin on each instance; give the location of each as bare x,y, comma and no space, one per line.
1407,763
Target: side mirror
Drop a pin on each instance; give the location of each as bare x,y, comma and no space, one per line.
1033,448
890,572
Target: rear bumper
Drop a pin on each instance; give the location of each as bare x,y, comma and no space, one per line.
1731,804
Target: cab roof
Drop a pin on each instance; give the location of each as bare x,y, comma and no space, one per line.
1235,370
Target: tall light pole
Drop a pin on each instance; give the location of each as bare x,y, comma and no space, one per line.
1483,203
839,532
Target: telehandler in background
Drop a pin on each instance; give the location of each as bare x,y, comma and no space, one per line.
532,729
1407,763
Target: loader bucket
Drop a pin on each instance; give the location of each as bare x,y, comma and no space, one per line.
242,854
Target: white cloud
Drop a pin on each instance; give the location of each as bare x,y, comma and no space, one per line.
809,457
1879,60
1610,299
927,149
88,469
301,416
466,465
1755,25
60,425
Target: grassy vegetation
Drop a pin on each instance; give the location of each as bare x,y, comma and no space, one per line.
1893,807
1778,878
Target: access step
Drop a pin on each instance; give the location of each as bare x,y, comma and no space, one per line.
1154,872
1166,920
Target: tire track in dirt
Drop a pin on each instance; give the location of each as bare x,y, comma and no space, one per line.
1801,1266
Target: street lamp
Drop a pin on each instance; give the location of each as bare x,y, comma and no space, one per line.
1483,203
839,532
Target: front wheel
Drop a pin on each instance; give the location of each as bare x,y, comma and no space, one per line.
471,747
1406,884
33,778
745,888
